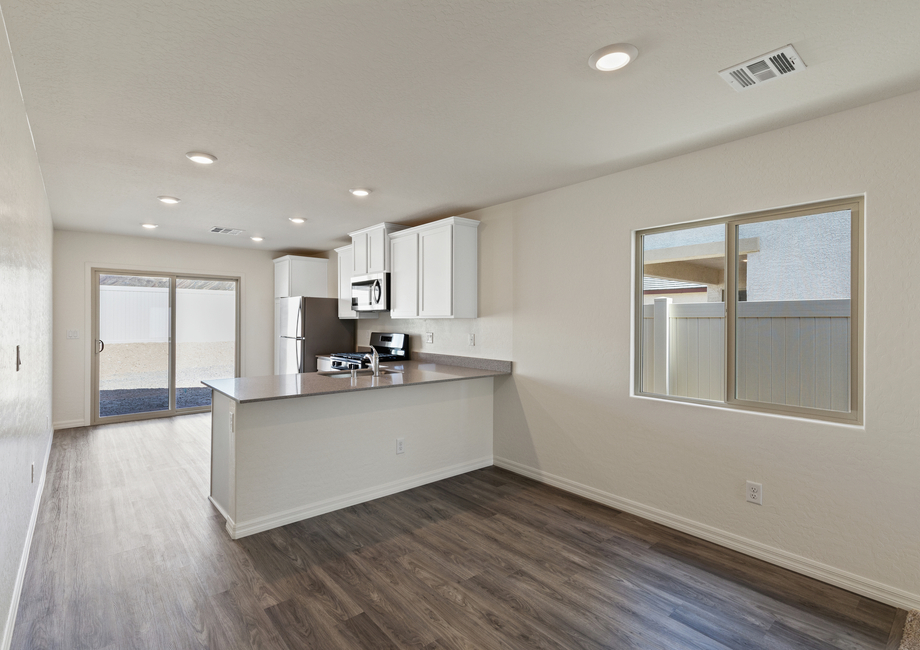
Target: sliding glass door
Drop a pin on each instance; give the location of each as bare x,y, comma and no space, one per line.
156,336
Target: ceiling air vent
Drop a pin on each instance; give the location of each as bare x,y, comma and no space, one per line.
225,231
772,65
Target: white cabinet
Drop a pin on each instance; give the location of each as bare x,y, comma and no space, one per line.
345,265
359,254
404,276
301,276
435,270
371,248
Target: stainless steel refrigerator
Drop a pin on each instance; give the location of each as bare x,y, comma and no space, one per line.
308,327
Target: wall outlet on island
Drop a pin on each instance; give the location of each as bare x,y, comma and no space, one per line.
472,339
400,445
429,337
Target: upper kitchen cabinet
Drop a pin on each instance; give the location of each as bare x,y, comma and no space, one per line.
435,270
345,256
371,252
301,276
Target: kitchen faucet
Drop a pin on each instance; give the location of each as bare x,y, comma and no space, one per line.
375,361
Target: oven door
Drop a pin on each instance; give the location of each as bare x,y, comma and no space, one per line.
370,292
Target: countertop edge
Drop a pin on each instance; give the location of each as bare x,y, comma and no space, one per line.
441,369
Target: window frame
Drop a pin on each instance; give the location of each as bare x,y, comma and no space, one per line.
856,206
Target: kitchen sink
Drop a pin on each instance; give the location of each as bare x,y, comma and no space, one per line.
364,372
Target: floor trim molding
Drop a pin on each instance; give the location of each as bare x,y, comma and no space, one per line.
805,566
245,528
24,560
69,424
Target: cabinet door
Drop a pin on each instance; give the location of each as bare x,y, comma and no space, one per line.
359,250
346,263
435,248
275,346
404,277
283,279
308,277
377,251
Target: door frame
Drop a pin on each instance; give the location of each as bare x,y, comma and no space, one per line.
173,277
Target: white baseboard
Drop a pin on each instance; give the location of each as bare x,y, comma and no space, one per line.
805,566
24,560
244,528
231,525
69,424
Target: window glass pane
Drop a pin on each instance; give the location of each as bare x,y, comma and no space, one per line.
205,337
792,333
683,336
134,330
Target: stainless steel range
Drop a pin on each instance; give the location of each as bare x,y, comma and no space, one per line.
389,345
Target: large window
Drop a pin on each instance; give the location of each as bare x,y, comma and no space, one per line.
757,312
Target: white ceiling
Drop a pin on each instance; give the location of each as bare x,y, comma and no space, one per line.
440,106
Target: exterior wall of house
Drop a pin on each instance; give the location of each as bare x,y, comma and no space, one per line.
25,321
807,258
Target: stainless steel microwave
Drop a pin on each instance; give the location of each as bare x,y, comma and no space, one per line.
370,292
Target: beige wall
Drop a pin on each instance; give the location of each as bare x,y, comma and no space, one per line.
844,497
76,253
840,502
25,320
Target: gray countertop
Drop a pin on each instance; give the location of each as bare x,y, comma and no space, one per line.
272,387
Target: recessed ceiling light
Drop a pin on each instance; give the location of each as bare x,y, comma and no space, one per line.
360,191
201,158
168,199
297,219
613,57
149,225
256,238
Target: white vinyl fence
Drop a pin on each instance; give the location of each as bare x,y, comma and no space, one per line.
789,352
141,315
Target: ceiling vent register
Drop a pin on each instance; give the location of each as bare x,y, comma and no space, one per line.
773,65
225,231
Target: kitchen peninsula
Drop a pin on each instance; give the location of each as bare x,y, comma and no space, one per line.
290,447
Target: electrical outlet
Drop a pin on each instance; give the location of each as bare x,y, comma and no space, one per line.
429,337
472,339
400,445
73,334
231,422
755,493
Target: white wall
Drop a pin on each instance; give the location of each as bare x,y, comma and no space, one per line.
847,498
76,253
25,320
840,502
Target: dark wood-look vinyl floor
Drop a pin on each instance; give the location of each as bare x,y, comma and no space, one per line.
128,553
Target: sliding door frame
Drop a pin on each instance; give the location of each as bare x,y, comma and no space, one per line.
173,278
